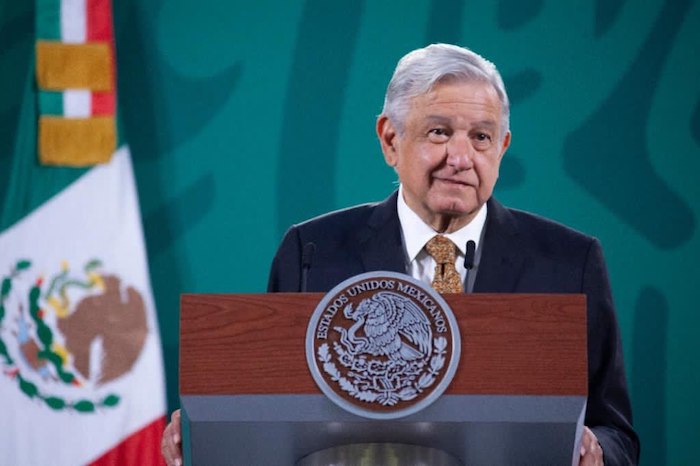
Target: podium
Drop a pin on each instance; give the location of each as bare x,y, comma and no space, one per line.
248,398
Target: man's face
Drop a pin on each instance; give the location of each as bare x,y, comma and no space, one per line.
449,154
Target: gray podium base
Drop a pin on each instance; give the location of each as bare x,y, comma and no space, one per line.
379,454
279,430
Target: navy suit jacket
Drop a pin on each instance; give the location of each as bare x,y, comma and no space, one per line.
522,253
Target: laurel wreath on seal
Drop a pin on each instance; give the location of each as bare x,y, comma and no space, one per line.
45,335
388,397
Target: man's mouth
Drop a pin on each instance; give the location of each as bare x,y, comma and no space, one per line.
452,181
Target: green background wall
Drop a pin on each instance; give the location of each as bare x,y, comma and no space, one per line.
245,117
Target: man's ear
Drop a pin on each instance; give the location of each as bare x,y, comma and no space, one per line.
505,144
386,132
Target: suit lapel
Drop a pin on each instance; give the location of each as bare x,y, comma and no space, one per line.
502,258
381,246
503,255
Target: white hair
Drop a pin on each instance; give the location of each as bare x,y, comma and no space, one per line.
420,70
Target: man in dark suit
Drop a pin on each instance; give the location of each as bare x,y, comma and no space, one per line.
521,253
444,129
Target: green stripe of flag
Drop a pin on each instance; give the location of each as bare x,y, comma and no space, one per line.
30,184
50,103
48,19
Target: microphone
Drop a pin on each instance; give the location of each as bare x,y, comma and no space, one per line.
469,261
306,256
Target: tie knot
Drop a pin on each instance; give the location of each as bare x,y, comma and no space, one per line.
441,249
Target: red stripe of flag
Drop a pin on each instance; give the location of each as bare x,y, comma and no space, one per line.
103,103
99,21
101,29
141,448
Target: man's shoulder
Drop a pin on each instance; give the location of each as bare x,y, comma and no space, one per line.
546,224
347,242
371,213
353,214
540,231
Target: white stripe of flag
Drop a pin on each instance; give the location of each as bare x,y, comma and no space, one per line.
74,21
77,103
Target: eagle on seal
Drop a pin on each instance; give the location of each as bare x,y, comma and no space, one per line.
393,326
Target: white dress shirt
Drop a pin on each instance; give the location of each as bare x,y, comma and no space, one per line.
416,233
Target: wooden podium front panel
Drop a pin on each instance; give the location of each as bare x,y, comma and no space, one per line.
524,344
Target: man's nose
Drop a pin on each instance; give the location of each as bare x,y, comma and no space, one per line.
460,153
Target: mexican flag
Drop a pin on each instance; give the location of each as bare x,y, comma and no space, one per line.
81,374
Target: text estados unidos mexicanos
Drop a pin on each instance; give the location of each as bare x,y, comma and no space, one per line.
372,285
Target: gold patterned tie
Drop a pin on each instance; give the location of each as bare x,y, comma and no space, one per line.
447,279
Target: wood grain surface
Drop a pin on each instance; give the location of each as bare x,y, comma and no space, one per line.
525,344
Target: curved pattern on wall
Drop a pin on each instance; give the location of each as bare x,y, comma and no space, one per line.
612,141
313,107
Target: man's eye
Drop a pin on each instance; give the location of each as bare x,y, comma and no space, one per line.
482,141
438,135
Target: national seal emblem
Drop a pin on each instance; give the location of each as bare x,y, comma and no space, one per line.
382,345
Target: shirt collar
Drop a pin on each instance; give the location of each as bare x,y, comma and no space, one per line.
416,232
